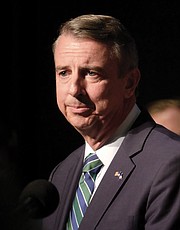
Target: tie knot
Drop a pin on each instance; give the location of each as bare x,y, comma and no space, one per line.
92,163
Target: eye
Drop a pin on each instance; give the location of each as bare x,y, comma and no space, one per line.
62,73
91,73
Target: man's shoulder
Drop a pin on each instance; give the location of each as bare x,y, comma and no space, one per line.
71,159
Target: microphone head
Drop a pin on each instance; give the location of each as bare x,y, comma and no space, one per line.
39,199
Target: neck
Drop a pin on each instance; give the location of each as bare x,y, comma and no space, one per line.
101,132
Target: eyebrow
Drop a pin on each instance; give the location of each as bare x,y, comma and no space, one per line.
97,68
57,68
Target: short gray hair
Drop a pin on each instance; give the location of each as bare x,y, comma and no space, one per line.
108,30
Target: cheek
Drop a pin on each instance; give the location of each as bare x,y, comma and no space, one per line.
113,91
106,97
98,93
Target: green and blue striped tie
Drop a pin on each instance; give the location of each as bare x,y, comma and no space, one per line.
91,167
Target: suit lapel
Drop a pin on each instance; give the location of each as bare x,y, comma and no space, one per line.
117,174
104,195
72,179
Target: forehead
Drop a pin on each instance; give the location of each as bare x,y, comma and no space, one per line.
71,51
69,45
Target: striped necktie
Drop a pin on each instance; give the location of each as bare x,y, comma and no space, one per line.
91,167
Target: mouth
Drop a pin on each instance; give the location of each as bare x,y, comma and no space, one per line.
81,110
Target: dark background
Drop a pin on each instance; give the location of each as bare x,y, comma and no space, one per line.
36,134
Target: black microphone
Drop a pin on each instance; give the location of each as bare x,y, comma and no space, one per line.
38,199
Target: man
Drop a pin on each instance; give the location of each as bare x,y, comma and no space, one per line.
166,112
137,186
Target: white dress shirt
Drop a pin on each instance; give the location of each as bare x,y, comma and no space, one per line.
107,152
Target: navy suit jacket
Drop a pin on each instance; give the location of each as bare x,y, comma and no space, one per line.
146,197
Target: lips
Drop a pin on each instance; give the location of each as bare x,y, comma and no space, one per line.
79,109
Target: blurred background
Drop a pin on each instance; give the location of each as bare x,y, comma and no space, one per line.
35,136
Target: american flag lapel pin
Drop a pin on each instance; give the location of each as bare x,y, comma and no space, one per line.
119,174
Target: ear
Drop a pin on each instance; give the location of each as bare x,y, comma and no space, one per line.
132,81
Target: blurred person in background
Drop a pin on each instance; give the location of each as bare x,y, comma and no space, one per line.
166,112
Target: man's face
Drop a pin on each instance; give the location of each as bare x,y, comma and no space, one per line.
90,92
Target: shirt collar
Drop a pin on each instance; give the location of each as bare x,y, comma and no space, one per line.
111,147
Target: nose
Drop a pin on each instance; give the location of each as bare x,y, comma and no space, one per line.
77,86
